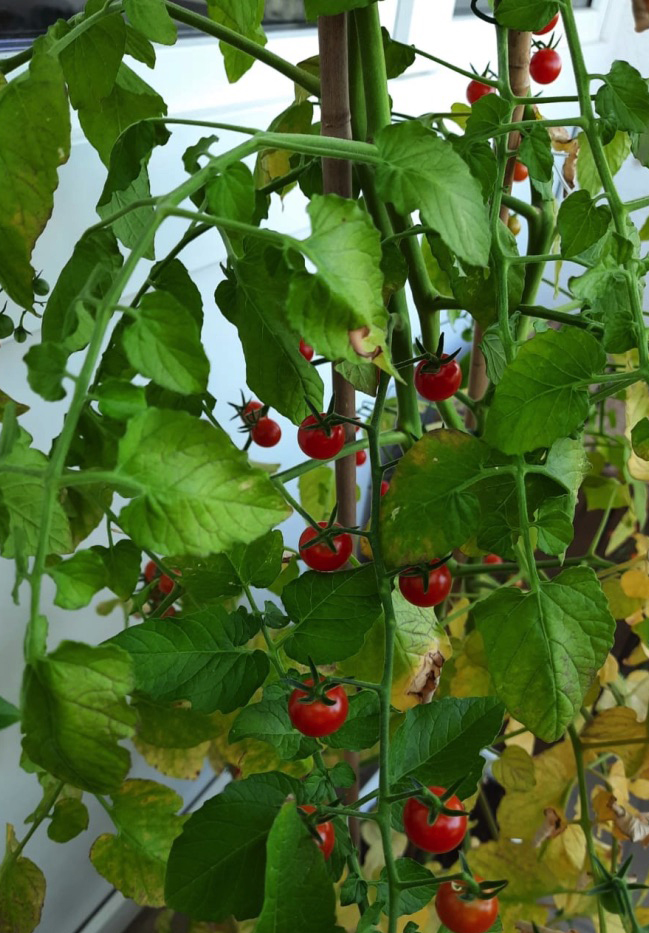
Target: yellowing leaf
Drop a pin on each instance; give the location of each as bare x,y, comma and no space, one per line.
635,692
634,826
637,407
515,769
250,756
183,763
520,814
635,583
612,726
528,875
457,617
608,673
620,604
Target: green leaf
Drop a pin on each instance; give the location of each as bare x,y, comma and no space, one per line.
120,400
526,15
46,364
34,142
478,155
217,864
398,57
9,714
441,742
69,818
412,899
259,563
87,275
18,410
87,688
22,890
130,101
363,376
254,299
203,496
200,657
122,562
422,172
244,17
623,99
232,193
163,342
318,492
150,17
581,223
431,506
299,893
640,438
554,525
346,293
536,153
162,725
128,181
139,47
361,728
543,394
205,581
22,498
544,649
78,579
616,152
91,61
493,351
173,277
269,721
134,861
332,613
315,8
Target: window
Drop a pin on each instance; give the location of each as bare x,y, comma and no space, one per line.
26,19
463,7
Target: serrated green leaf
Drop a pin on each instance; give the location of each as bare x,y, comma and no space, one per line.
493,351
91,61
87,687
581,223
122,562
260,562
150,17
46,370
543,394
332,613
361,728
203,496
413,898
69,818
34,142
232,193
526,15
134,861
398,56
244,17
120,400
269,721
554,526
139,47
199,657
545,648
318,492
536,153
78,579
422,172
623,99
164,343
217,864
616,152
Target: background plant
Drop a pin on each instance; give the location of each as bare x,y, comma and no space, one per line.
201,667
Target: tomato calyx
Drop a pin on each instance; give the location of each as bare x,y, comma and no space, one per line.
612,888
423,569
469,887
436,803
433,362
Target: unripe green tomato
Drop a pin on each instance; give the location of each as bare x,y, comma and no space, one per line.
6,326
20,334
514,224
41,287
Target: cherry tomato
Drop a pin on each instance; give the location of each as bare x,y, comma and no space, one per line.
166,584
460,916
169,613
266,432
553,22
435,387
439,586
361,457
320,556
150,571
444,834
545,66
492,559
317,443
520,172
477,89
325,831
384,486
248,413
514,224
315,718
306,350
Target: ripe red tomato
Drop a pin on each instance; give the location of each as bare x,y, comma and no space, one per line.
166,584
320,556
460,916
315,718
477,89
169,613
444,834
439,586
248,413
550,26
150,571
306,350
317,443
384,486
266,432
520,172
361,457
492,559
545,66
436,387
325,831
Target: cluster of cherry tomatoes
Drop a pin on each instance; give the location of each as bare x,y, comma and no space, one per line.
164,586
264,431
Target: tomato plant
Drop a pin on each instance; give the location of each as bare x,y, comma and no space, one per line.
226,642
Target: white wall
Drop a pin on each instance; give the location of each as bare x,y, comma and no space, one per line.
191,79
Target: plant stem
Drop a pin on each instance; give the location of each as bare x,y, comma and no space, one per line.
41,814
386,439
272,647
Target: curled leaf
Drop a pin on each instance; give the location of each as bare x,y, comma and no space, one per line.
634,826
426,678
553,826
